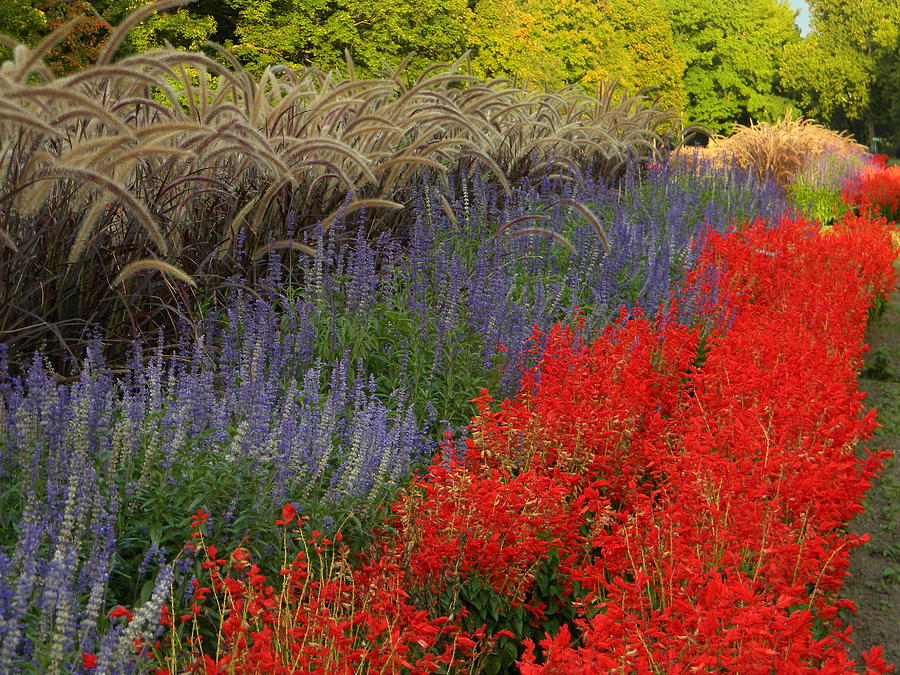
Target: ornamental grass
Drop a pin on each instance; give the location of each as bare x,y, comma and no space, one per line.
789,150
129,183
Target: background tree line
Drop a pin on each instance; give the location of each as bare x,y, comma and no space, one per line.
722,63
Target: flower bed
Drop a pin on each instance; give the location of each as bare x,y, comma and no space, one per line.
667,493
732,557
661,499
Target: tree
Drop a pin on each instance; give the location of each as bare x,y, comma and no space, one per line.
556,42
733,54
884,107
503,44
644,37
30,22
848,63
547,43
575,34
182,28
317,32
22,20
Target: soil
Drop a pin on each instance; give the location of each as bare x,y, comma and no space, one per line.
874,584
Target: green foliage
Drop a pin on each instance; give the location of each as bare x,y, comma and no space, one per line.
827,79
819,202
546,43
879,366
885,106
182,28
646,39
485,607
732,53
552,590
846,69
156,514
298,33
402,349
503,44
557,43
162,487
22,20
574,34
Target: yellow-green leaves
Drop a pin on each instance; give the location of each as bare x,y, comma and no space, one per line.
854,47
732,53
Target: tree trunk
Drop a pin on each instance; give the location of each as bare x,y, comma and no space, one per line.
870,130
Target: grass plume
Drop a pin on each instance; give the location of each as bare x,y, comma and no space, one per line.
188,160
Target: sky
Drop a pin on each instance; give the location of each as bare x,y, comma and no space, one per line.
803,18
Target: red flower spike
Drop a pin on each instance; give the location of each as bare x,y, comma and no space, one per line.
119,612
288,514
199,518
874,660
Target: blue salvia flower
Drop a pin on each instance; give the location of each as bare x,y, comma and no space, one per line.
19,584
118,647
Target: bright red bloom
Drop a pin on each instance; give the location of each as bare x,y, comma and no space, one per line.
119,612
288,514
199,518
876,192
874,660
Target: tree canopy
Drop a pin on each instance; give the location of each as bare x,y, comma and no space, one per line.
549,43
558,42
846,69
30,21
723,63
645,39
376,34
732,53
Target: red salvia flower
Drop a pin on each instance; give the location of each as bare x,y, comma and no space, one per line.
119,612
